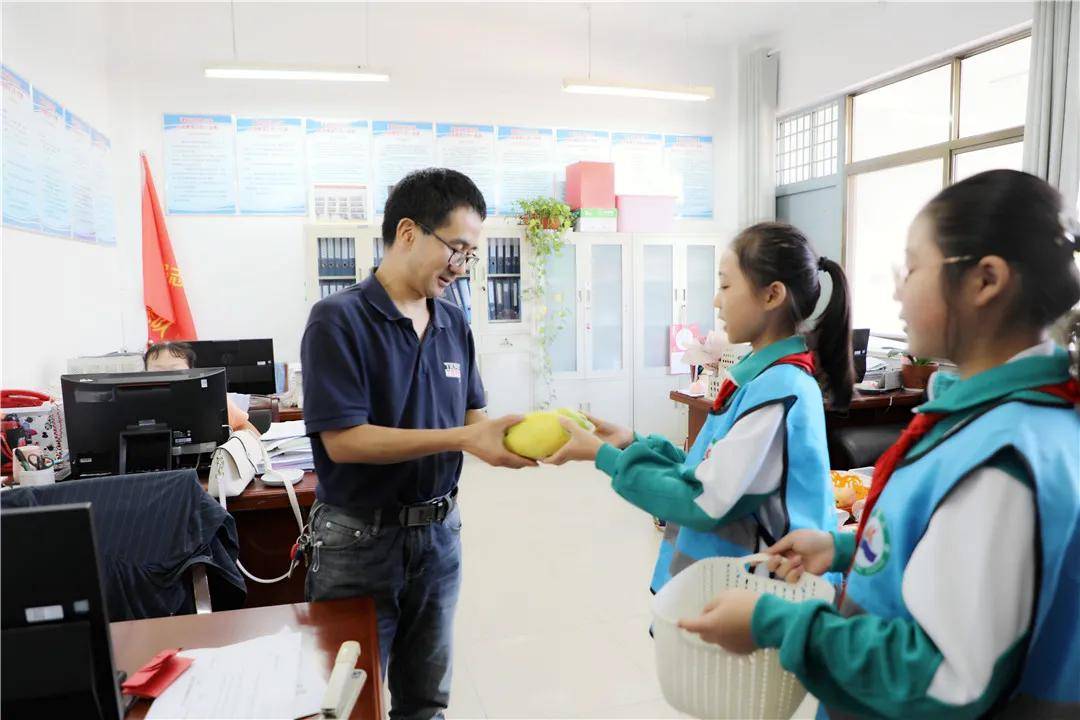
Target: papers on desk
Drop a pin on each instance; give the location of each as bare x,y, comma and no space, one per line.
266,677
288,446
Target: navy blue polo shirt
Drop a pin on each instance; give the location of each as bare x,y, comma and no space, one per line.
362,363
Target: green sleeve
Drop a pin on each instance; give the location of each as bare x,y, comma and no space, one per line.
865,664
843,550
650,475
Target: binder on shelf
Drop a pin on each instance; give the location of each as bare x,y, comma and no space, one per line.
491,256
491,300
321,245
515,305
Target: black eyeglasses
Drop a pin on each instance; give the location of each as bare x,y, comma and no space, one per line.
457,257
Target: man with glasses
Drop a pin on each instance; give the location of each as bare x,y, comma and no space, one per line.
392,397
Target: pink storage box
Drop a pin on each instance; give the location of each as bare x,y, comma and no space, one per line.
645,213
590,185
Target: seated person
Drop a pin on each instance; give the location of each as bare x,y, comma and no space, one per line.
181,356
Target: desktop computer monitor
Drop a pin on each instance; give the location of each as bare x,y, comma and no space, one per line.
249,364
54,632
860,340
141,422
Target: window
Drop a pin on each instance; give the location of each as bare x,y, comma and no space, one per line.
807,145
910,138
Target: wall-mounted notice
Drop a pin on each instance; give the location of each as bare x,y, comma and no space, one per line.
81,147
469,149
104,209
573,146
399,148
270,166
690,159
200,165
639,164
525,160
339,202
19,165
338,151
54,166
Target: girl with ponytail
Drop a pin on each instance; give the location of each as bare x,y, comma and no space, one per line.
759,467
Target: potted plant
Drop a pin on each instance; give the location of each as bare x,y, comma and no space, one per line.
546,222
915,372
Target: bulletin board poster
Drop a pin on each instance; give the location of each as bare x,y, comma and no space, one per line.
573,146
690,159
54,166
270,166
104,203
19,165
525,159
81,145
338,151
639,163
469,149
200,165
399,149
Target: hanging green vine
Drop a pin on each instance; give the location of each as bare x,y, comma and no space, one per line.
546,222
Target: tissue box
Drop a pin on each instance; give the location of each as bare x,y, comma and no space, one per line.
645,213
597,220
590,185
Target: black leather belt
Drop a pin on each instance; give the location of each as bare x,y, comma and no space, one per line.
421,514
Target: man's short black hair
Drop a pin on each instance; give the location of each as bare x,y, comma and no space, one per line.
176,349
427,197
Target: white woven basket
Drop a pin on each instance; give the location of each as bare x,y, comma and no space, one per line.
703,679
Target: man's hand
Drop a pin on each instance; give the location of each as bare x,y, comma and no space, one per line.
612,434
801,551
725,621
582,445
484,439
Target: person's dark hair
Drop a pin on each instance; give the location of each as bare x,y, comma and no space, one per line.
1019,218
777,252
176,349
428,197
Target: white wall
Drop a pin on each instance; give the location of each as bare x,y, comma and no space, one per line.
846,45
60,297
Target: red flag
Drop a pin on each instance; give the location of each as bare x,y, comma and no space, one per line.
168,316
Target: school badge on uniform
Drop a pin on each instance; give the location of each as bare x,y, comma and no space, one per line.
453,370
873,550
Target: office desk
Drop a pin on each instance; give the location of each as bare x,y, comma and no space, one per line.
267,529
287,414
324,626
894,407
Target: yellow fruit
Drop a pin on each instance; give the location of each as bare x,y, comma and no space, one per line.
577,417
537,436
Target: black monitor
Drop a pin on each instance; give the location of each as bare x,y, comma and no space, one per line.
860,340
249,364
142,422
54,632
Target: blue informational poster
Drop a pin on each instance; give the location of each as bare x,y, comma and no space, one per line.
54,166
639,164
81,147
400,148
19,164
689,158
338,151
526,158
270,166
200,165
104,202
469,149
573,146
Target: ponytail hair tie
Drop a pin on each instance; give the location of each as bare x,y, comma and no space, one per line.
821,263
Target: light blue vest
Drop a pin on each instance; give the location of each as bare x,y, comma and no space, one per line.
1047,440
805,496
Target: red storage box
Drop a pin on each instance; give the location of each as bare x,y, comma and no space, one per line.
646,213
590,185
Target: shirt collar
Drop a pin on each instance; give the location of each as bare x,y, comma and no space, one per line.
378,298
755,363
1042,364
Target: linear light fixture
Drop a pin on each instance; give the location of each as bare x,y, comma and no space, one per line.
692,93
286,72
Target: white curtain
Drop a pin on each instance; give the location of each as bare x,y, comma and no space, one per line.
1052,129
757,133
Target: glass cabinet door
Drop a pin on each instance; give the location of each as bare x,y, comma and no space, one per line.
701,277
605,300
658,284
561,299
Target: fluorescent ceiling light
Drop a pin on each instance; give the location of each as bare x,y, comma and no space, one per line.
692,93
279,72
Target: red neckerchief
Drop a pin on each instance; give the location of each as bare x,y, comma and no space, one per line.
804,360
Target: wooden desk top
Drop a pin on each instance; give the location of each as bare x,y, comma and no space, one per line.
260,496
859,401
324,626
287,414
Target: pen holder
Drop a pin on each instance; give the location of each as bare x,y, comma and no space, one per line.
27,478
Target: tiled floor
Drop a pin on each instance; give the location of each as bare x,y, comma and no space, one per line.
554,612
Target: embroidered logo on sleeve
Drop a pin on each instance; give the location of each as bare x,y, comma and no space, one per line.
873,550
453,370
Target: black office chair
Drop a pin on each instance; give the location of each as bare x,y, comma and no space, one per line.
861,446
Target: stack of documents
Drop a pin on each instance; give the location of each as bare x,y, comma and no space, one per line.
266,677
287,446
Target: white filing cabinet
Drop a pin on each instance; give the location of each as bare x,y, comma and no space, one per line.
336,256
